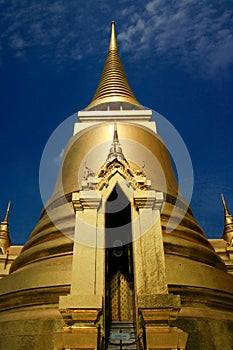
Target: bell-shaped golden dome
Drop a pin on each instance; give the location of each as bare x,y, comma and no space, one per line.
90,148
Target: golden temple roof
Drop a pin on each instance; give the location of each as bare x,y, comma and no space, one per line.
228,224
113,86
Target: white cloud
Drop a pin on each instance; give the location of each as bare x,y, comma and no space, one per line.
197,33
55,28
193,33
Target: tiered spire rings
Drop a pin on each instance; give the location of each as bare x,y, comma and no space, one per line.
113,86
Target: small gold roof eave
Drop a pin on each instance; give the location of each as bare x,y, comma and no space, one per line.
113,85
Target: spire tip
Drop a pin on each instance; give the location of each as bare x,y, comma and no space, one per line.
7,211
113,41
5,241
228,224
224,205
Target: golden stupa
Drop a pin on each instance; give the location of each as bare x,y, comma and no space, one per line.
117,259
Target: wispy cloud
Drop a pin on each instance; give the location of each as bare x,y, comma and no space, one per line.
58,30
193,33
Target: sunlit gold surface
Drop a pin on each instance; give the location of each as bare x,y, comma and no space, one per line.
50,268
137,143
46,239
225,252
113,86
113,41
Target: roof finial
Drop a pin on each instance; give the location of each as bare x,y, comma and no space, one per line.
115,151
5,241
226,212
7,212
228,224
115,135
113,40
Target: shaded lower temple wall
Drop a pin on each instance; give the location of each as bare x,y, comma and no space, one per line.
207,334
37,334
40,333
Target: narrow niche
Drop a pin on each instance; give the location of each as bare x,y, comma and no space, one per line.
119,282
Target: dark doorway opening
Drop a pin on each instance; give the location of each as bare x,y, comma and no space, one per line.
119,281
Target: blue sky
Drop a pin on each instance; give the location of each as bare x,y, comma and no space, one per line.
178,58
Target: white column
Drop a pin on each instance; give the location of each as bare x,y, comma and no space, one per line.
88,260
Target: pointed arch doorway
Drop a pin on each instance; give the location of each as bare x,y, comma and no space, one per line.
119,281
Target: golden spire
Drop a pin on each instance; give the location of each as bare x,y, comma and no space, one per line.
5,241
228,224
7,212
113,86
